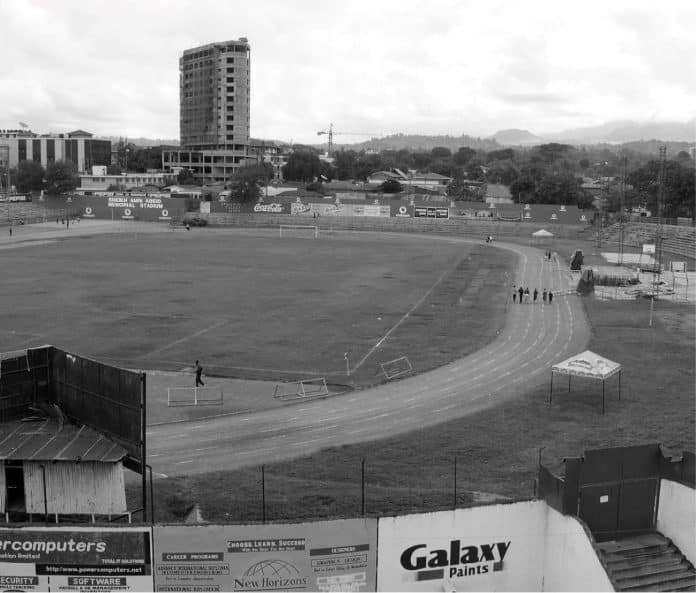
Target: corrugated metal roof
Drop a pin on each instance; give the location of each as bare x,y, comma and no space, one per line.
44,440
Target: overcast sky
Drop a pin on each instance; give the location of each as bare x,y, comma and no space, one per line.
369,66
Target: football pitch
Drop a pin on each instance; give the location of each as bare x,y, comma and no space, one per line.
250,304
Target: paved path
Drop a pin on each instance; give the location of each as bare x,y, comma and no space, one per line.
534,337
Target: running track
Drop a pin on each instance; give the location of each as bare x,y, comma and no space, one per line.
534,337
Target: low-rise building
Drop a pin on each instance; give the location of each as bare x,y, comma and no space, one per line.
79,147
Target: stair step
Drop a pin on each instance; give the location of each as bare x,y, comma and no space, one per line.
641,559
654,582
638,542
652,568
637,554
686,584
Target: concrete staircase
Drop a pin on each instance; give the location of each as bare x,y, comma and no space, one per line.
648,562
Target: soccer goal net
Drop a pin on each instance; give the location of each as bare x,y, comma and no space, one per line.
194,396
304,389
396,368
307,231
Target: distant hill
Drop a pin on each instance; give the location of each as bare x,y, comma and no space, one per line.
514,137
616,132
144,141
417,142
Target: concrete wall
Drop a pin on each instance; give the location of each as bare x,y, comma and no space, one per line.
570,560
461,550
676,516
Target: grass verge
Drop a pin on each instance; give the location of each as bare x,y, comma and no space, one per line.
496,450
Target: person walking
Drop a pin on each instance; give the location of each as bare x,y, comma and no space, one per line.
526,296
10,231
199,371
536,294
550,297
514,295
543,296
521,293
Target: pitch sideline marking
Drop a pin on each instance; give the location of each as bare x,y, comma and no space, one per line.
193,335
405,316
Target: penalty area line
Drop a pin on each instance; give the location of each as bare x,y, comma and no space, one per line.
404,317
193,335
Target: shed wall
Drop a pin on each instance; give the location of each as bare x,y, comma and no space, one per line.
86,487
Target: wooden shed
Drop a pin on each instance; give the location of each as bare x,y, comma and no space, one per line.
49,466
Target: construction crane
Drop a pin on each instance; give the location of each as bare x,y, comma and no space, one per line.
331,133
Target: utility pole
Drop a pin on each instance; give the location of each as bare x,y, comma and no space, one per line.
657,267
621,210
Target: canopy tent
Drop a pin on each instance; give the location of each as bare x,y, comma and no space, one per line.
542,234
589,365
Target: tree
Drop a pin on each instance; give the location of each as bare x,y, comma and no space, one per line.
464,155
506,154
474,169
29,176
61,177
441,152
561,188
523,189
247,182
185,177
302,165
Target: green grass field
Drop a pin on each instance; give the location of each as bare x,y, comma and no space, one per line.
496,449
253,305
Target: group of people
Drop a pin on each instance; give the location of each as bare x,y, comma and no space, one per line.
547,255
66,221
525,296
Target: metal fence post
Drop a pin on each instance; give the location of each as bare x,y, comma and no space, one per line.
455,482
362,486
263,493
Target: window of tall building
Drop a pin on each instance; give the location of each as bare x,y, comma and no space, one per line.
36,151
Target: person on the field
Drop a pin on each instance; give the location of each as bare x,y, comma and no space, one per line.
514,294
521,293
199,371
550,297
536,294
526,296
543,296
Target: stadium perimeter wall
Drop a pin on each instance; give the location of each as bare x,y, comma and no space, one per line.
461,226
520,546
676,518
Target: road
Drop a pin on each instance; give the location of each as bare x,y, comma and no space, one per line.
534,337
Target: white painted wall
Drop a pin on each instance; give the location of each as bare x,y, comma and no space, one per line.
676,516
570,561
521,524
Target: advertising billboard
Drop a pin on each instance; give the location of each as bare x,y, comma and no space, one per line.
430,212
491,548
321,556
76,559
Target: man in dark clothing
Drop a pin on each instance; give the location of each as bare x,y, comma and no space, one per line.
550,297
536,294
521,293
199,370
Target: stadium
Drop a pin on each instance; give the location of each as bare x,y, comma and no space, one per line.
357,370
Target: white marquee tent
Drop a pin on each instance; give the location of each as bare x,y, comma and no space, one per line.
589,365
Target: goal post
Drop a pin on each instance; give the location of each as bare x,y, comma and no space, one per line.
298,230
303,389
194,396
396,368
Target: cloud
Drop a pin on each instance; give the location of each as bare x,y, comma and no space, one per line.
447,67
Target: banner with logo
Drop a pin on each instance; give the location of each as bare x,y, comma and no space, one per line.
401,210
130,207
76,559
321,556
338,208
492,548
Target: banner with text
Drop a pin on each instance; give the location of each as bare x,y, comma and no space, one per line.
318,209
130,207
76,559
431,212
321,556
